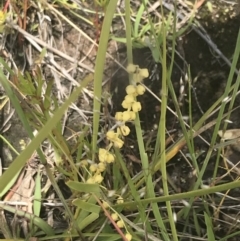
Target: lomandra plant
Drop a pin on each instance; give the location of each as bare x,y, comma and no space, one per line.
115,137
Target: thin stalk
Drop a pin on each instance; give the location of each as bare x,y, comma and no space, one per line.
180,196
164,94
143,155
99,69
128,31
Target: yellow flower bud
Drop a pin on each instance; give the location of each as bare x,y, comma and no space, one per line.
120,224
111,135
125,130
114,216
110,158
84,163
130,89
129,98
128,236
144,73
98,178
105,204
101,167
126,115
120,200
118,116
90,180
3,16
132,115
137,78
136,106
126,105
102,154
93,167
140,90
118,143
105,156
131,68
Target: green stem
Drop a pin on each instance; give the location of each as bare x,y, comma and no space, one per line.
164,94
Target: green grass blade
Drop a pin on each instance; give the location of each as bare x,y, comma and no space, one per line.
84,187
89,219
210,232
133,191
138,19
99,69
37,195
184,195
86,206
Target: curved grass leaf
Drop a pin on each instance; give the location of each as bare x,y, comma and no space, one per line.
99,69
86,206
84,187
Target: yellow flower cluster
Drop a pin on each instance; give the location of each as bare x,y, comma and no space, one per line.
105,157
115,217
132,106
115,137
138,74
130,103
